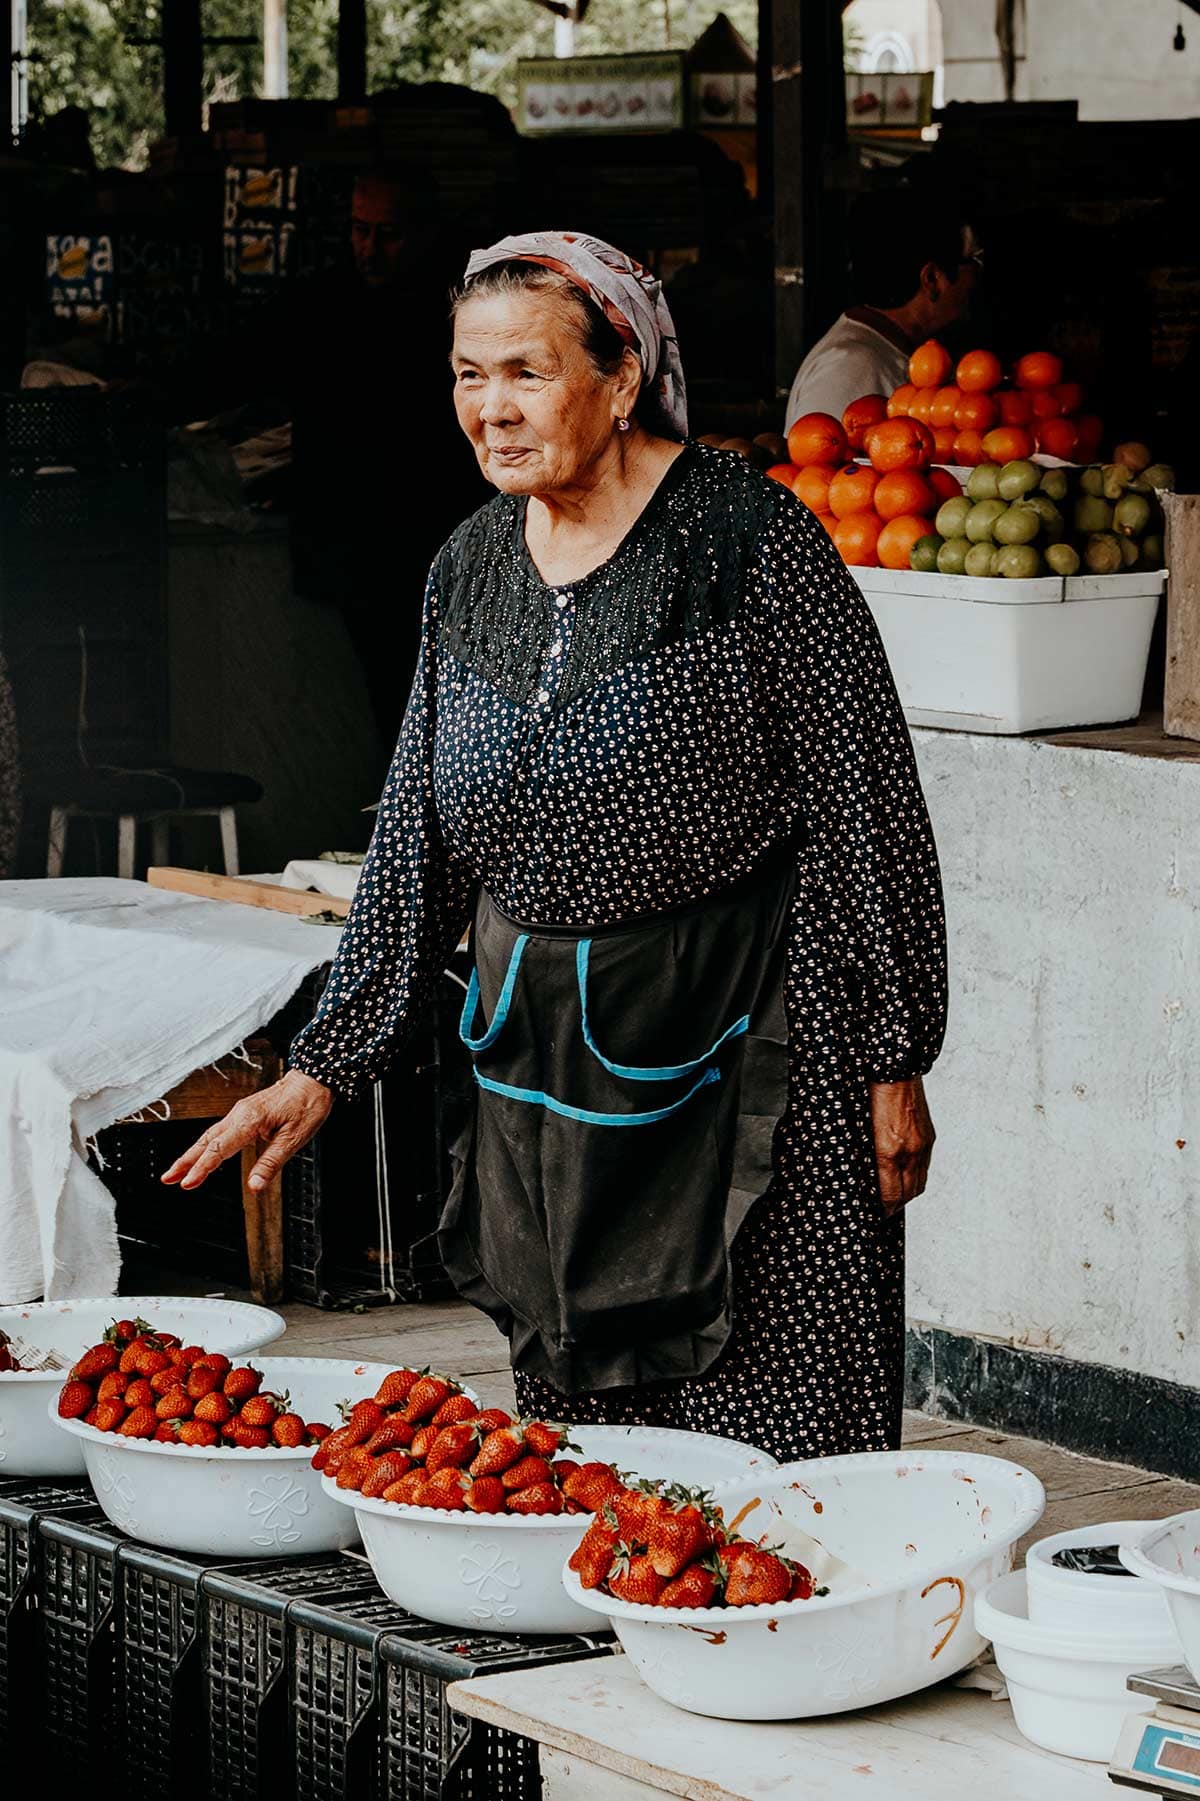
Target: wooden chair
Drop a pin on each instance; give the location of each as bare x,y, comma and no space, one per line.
210,1094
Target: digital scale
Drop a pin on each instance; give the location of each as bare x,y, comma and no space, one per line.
1159,1752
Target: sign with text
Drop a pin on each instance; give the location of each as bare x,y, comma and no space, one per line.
601,93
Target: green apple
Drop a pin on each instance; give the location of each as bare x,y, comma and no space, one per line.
1055,484
924,553
1102,553
1020,562
982,483
951,521
981,560
1092,514
1017,478
952,557
1063,559
1017,525
981,520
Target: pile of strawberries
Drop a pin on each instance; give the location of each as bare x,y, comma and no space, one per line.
9,1363
424,1442
140,1383
660,1545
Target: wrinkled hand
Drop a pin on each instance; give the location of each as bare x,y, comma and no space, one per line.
283,1118
904,1138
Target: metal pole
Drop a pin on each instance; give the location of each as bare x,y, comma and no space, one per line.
20,97
352,50
183,67
275,50
809,107
564,36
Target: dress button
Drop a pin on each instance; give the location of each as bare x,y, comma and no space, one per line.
561,601
543,697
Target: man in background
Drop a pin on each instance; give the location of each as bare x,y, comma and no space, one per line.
914,268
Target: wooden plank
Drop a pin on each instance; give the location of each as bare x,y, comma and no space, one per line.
1146,738
245,892
920,1429
1154,1498
1181,697
1062,1473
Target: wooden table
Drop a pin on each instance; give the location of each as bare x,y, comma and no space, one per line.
605,1737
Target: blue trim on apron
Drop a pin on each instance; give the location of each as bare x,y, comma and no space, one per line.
582,1114
630,1072
471,1004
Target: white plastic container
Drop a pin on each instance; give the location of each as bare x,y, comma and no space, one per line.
1085,1601
980,654
503,1572
229,1502
1068,1689
926,1531
29,1445
1169,1555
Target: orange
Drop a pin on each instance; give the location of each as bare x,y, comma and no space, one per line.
968,448
817,438
922,406
904,491
945,405
851,490
1037,370
943,440
944,485
827,522
1070,395
1008,443
856,537
900,444
868,410
783,472
1058,437
975,412
812,486
1091,432
978,372
1016,407
1046,404
897,538
902,398
929,364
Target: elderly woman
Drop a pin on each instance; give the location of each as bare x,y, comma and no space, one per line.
654,754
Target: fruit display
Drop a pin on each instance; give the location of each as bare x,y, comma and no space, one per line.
9,1361
141,1383
977,413
659,1544
421,1441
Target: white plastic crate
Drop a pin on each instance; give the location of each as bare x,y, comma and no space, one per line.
979,654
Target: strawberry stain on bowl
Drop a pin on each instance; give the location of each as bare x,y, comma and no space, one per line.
716,1637
772,1625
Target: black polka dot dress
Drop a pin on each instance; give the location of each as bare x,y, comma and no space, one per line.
618,746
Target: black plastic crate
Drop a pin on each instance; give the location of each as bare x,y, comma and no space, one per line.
335,1682
245,1657
161,1673
79,1596
22,1503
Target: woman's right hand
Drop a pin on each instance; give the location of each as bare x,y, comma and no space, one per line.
282,1118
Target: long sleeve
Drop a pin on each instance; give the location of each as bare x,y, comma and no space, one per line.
869,896
409,910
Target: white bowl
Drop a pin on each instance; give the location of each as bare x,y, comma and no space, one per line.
1169,1556
229,1502
918,1534
1082,1601
28,1446
1068,1689
503,1571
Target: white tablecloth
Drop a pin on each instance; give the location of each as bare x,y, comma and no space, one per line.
110,993
323,875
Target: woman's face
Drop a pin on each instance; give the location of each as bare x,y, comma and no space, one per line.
528,396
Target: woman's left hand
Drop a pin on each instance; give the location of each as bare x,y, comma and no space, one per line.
904,1138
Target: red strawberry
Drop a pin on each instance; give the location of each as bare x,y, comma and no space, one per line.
141,1423
166,1380
121,1332
317,1431
109,1414
678,1537
214,1409
544,1440
395,1434
423,1438
541,1498
593,1557
75,1399
363,1421
165,1433
187,1355
89,1418
695,1586
755,1577
592,1485
198,1432
802,1586
168,1340
384,1471
455,1411
409,1489
486,1495
144,1358
249,1438
453,1448
635,1511
564,1467
261,1410
330,1451
112,1386
99,1361
499,1451
240,1384
447,1490
425,1397
202,1381
140,1394
214,1360
492,1418
288,1430
395,1388
634,1579
527,1472
228,1429
355,1468
174,1406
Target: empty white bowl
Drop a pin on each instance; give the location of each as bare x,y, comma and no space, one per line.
229,1502
29,1445
917,1535
1068,1689
1168,1554
1086,1601
503,1571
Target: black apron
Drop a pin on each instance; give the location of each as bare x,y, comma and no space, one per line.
628,1083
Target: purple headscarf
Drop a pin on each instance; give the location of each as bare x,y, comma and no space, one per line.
630,298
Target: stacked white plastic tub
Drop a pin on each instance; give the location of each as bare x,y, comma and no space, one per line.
985,654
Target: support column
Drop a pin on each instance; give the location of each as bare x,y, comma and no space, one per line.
183,67
352,50
275,50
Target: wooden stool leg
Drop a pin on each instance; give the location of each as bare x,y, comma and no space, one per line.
160,840
264,1231
229,842
56,850
126,846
